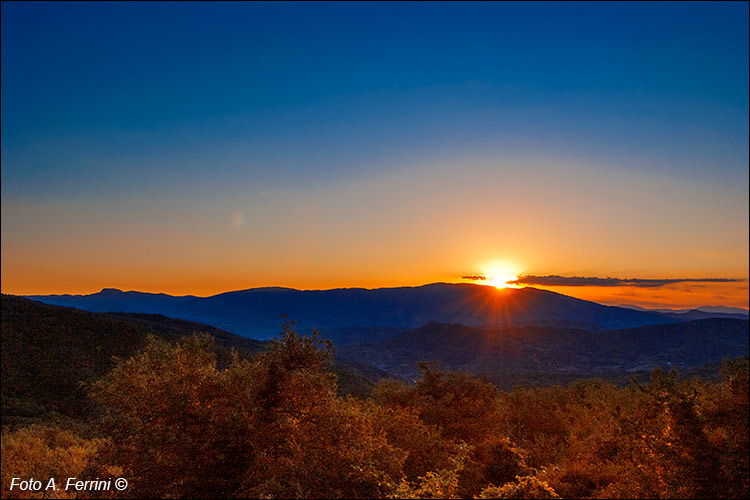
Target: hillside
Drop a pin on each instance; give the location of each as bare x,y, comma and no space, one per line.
49,351
543,352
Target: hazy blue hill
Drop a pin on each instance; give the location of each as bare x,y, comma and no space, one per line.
701,312
114,300
724,310
528,349
680,345
255,313
361,334
543,352
171,327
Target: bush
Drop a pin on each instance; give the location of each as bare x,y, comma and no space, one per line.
526,487
42,453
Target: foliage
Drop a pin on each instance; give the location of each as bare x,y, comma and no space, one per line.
461,405
42,453
465,410
440,484
181,427
425,447
526,487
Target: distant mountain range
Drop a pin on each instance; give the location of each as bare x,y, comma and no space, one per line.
707,309
256,313
702,312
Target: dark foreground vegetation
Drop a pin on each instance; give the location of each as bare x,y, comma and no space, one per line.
185,417
175,425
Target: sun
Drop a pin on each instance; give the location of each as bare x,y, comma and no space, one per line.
501,280
500,275
497,274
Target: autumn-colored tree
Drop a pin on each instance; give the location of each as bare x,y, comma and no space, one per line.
313,443
592,435
494,461
666,439
443,483
334,450
465,410
268,426
728,417
174,429
702,441
535,419
525,487
427,450
462,406
44,452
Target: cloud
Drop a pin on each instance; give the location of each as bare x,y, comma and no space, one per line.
476,277
554,280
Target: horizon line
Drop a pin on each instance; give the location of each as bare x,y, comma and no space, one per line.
502,289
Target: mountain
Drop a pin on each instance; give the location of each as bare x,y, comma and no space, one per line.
255,313
112,299
558,354
723,309
692,314
701,312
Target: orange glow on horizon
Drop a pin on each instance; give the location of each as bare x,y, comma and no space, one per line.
32,274
332,236
677,296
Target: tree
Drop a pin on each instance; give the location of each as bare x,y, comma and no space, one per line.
44,452
525,487
177,426
465,410
267,426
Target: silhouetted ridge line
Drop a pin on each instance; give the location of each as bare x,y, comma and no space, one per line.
255,312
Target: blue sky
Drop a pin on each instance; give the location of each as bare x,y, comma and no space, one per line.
117,104
316,90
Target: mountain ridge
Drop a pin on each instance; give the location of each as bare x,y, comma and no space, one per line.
255,312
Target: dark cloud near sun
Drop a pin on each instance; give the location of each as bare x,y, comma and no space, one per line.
475,277
554,280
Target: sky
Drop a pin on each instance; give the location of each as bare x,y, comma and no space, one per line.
196,148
